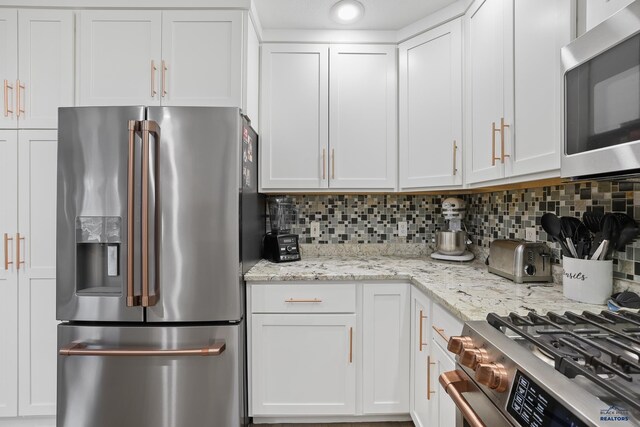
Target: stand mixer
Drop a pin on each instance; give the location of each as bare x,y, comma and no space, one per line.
451,245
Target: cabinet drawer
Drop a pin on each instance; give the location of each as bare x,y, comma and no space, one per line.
302,298
444,325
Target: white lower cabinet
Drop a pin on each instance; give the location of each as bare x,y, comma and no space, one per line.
442,408
385,348
303,364
420,359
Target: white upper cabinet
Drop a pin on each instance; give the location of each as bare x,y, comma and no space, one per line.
599,10
430,108
45,69
119,57
309,143
252,106
294,116
160,58
8,66
201,58
484,91
514,87
362,117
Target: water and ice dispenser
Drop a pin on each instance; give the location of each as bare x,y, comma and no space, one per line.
99,255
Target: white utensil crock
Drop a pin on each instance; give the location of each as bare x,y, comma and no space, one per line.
587,280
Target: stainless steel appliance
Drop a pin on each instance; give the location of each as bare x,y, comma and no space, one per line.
602,98
555,370
451,244
158,218
279,244
520,261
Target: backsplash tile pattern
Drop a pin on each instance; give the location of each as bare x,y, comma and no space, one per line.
349,219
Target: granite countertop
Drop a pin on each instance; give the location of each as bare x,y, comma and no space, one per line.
467,290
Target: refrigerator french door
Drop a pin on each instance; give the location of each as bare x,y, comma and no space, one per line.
158,219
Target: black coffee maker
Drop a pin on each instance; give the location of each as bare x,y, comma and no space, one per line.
279,244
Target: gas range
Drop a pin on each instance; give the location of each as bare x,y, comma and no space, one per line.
554,370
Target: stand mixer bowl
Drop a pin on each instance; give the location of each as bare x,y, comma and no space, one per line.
451,242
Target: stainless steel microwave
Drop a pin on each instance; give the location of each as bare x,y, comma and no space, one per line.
602,99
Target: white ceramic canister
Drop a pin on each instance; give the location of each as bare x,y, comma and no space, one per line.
587,280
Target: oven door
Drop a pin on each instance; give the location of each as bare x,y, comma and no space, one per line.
473,407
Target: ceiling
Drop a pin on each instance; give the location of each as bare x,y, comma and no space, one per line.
314,14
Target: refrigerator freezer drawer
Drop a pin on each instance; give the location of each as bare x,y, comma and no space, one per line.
147,376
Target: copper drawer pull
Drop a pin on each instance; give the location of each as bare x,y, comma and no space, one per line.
453,383
324,163
440,332
80,349
153,79
7,263
333,163
164,77
351,344
502,126
455,150
422,317
18,249
303,300
19,106
493,144
429,391
7,86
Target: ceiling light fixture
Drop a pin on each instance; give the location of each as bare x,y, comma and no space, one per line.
347,11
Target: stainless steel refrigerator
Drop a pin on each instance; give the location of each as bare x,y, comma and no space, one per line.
158,218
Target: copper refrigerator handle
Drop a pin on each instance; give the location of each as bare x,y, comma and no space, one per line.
132,299
493,143
80,349
454,384
422,317
18,249
148,127
19,106
7,86
440,332
429,391
7,263
502,126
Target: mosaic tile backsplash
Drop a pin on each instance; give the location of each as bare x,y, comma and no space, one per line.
374,218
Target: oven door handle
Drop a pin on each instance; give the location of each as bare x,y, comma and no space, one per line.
454,384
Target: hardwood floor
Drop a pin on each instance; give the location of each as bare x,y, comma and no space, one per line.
389,424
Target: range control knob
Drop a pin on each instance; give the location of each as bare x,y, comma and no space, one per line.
530,269
472,357
459,344
492,375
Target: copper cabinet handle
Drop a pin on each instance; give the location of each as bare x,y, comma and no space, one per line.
440,332
303,300
80,349
351,344
324,163
502,126
153,78
132,299
19,106
429,391
333,163
493,144
455,164
18,249
7,86
148,127
422,317
454,385
7,263
164,77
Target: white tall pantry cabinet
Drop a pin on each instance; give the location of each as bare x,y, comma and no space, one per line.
36,70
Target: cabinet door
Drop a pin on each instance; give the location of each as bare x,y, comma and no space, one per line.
485,91
45,67
362,117
431,108
8,276
443,410
8,67
253,76
294,125
420,348
37,272
119,57
385,348
201,56
540,29
303,364
597,11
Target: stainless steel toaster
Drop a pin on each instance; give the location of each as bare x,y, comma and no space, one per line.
520,261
